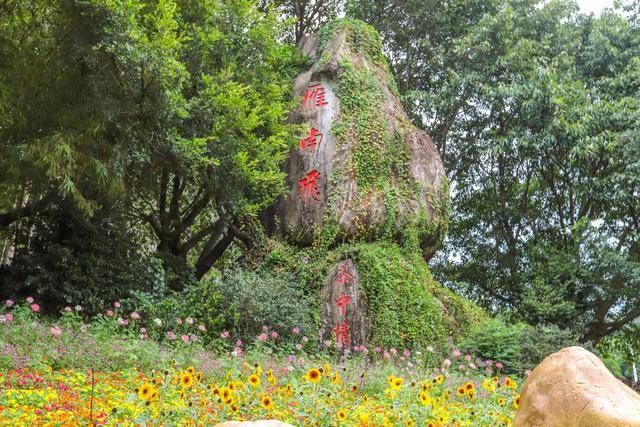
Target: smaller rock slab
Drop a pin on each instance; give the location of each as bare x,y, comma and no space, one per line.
573,388
344,312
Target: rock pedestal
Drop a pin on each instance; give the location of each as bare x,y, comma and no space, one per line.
573,388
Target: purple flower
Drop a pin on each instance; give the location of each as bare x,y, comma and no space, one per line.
377,349
224,334
296,330
122,322
406,353
201,328
9,303
527,372
238,343
171,335
8,317
193,337
189,320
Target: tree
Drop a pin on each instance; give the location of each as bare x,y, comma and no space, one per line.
175,107
307,16
534,109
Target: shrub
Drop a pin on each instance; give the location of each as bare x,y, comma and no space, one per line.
518,346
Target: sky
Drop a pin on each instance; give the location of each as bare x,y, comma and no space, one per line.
595,6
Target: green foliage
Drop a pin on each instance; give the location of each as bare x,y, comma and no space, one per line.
71,259
534,109
408,309
516,345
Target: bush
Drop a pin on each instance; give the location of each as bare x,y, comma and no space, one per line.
517,346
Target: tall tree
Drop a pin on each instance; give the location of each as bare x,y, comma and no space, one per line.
534,109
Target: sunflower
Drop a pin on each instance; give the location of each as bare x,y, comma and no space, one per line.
186,380
488,385
424,398
461,391
145,391
342,415
266,402
354,388
471,393
516,402
507,382
313,375
501,401
440,379
469,386
225,394
396,384
253,380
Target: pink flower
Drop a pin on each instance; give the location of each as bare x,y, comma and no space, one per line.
110,313
263,337
527,372
122,322
298,346
446,363
406,353
225,334
67,309
305,339
457,353
327,343
472,365
35,308
134,315
9,303
189,320
171,335
179,321
467,358
296,330
237,352
377,349
201,328
193,337
291,358
30,300
8,317
274,335
393,351
238,343
55,331
265,328
184,338
386,356
488,362
116,304
499,365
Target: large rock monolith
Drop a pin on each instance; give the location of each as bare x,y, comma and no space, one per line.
573,388
361,170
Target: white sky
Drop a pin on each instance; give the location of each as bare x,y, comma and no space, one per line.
595,6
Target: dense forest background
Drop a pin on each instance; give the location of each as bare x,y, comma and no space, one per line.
140,141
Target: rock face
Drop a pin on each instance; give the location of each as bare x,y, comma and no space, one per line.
573,388
344,312
361,170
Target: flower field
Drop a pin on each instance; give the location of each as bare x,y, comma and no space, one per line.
107,372
325,395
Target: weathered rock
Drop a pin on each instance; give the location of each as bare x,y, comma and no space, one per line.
259,423
573,388
344,312
362,171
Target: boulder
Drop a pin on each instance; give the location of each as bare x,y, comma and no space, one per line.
574,388
361,171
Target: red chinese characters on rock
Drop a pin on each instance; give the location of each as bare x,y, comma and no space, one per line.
314,138
342,302
344,276
342,334
314,97
308,186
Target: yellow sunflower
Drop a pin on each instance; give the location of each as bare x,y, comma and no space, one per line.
341,415
313,375
516,402
396,384
145,391
253,380
266,402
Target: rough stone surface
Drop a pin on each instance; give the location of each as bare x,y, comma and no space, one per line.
344,279
259,423
415,185
573,388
